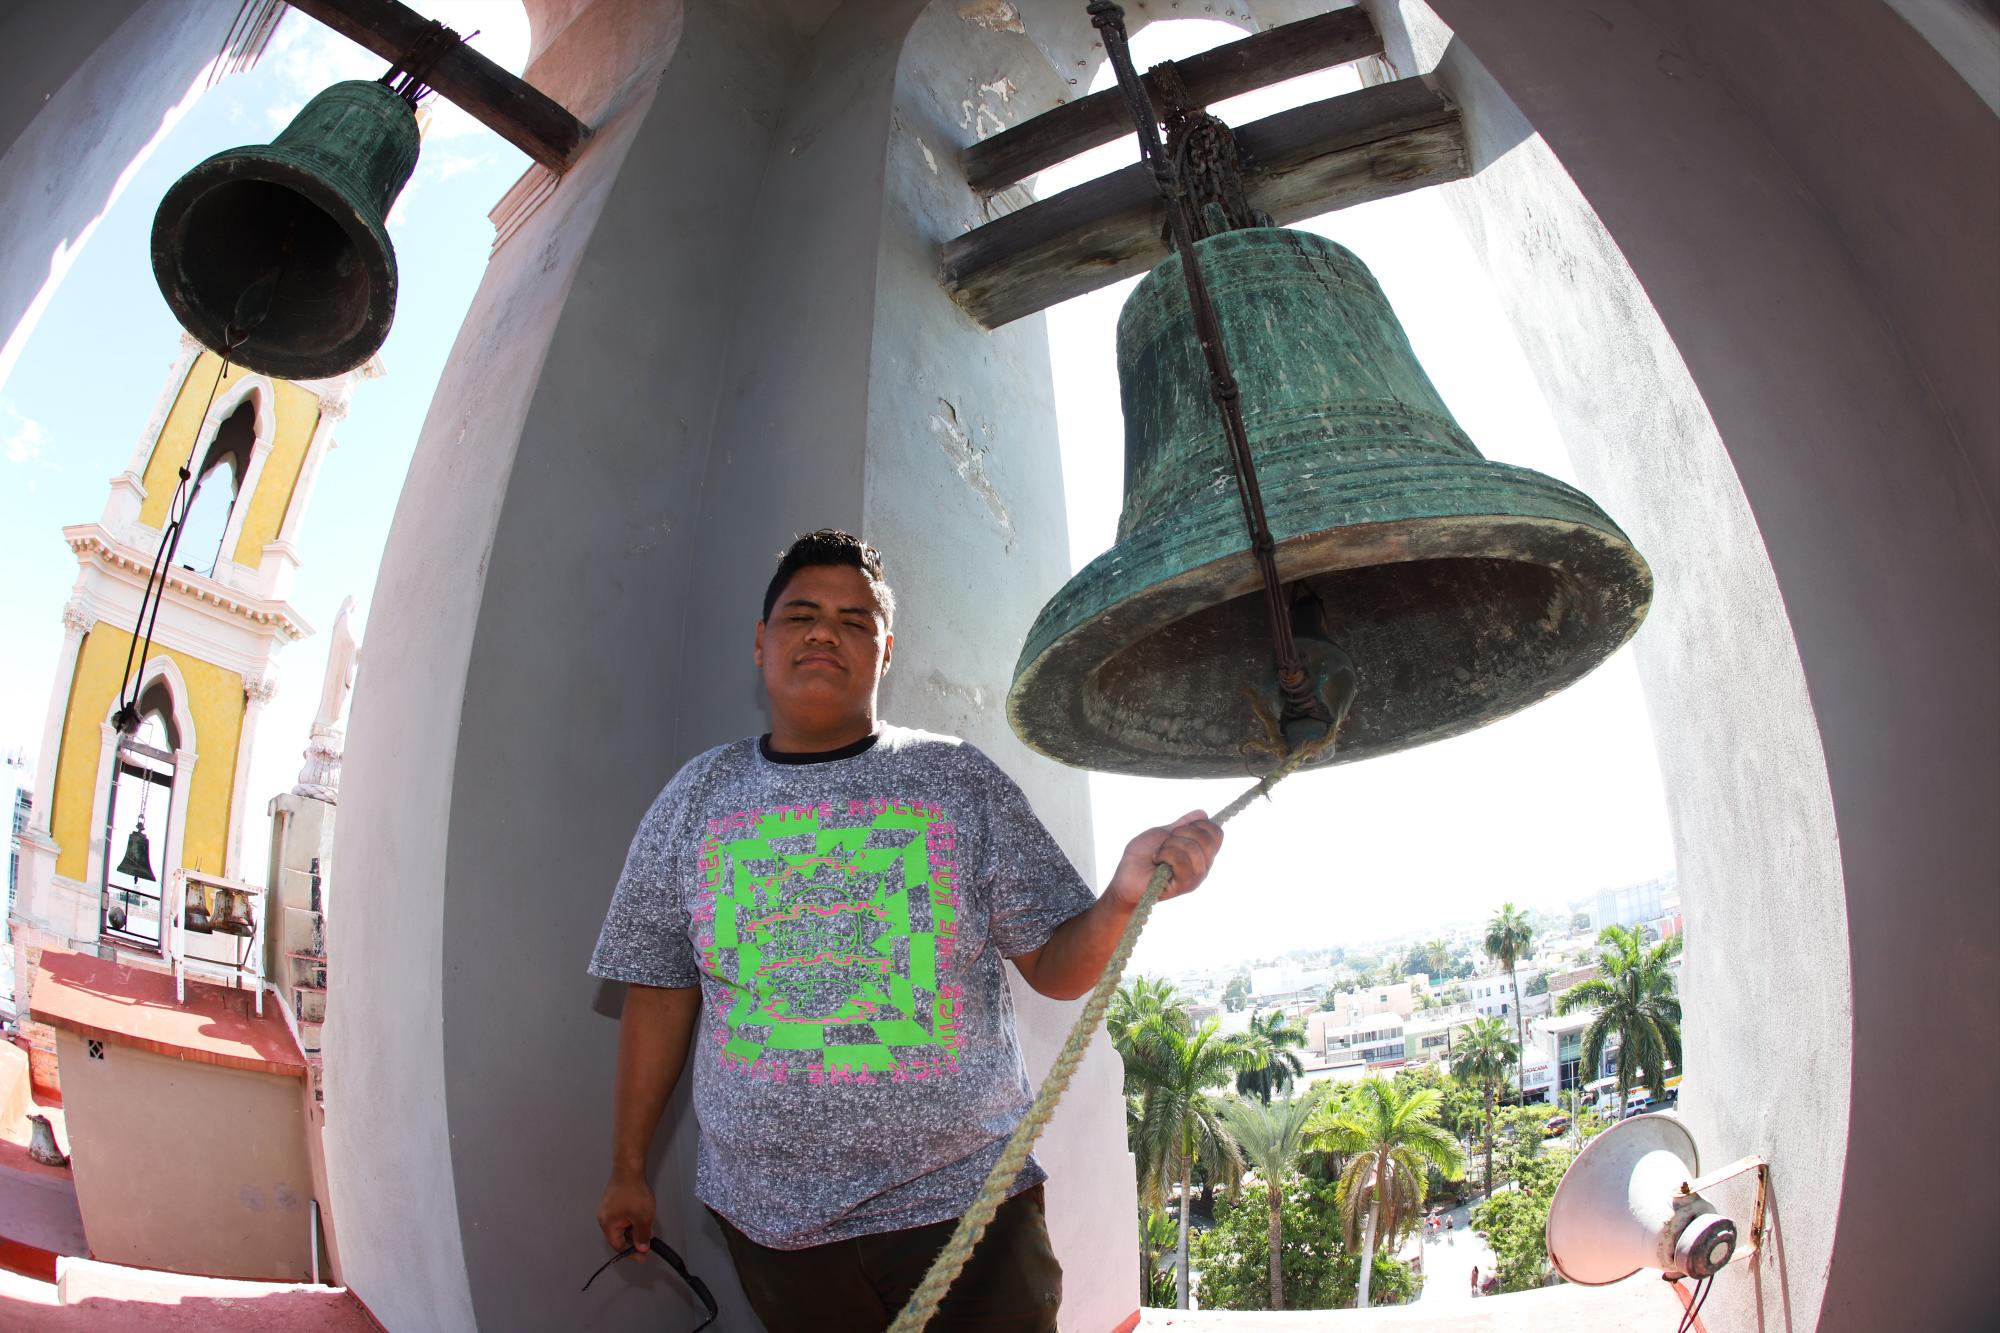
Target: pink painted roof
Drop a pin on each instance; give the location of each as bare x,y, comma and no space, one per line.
104,1298
132,1006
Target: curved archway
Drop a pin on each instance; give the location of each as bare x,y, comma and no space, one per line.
161,686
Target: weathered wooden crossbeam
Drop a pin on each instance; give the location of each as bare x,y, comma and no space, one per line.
1346,150
511,107
1268,57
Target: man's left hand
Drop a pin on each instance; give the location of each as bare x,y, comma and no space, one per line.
1188,846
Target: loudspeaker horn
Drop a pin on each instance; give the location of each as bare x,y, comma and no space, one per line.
1624,1205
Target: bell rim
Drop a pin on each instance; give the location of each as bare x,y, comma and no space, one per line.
1061,650
279,166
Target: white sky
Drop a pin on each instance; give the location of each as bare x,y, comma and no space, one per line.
1545,806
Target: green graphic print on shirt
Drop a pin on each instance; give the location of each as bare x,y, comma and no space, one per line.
835,939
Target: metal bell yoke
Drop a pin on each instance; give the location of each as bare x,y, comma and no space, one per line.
278,254
1462,589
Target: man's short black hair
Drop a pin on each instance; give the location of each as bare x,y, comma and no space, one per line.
831,546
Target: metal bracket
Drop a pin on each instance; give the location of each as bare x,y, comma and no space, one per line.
1741,1165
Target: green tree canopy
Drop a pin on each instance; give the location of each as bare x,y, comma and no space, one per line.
1320,1273
1272,1037
1633,993
1390,1138
1178,1122
1139,999
1516,1222
1271,1136
1237,993
1482,1057
1437,958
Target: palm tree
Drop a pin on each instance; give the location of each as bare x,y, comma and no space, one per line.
1139,999
1508,936
1272,1036
1633,993
1178,1122
1391,1139
1271,1137
1126,1021
1437,959
1156,1248
1483,1054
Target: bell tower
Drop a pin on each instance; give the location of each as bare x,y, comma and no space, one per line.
113,816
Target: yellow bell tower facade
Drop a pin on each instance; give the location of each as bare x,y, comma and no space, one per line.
116,813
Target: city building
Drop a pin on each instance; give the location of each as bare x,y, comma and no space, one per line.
1351,1006
1376,1043
1492,996
1631,904
1428,1034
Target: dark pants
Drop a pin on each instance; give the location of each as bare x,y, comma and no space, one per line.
1012,1283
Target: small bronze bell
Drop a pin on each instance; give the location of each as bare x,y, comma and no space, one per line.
281,250
1461,590
138,862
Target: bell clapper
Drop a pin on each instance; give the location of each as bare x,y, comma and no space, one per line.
1308,718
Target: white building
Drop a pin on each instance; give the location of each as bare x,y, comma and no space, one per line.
1492,996
1631,905
1351,1006
1375,1042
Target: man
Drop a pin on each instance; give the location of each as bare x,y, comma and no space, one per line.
816,918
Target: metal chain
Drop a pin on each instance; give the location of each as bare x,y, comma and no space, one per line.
1203,149
1109,19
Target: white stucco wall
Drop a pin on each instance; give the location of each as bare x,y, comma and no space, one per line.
88,87
1780,419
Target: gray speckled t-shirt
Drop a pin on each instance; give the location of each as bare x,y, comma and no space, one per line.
855,1064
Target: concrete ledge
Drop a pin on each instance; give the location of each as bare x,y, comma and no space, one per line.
1643,1304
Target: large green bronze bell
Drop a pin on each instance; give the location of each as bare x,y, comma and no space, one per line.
1462,590
279,253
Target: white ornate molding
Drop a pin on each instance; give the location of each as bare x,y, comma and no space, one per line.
520,203
76,619
91,542
260,690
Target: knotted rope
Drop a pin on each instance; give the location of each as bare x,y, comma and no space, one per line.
924,1301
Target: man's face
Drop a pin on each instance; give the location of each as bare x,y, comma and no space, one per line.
825,647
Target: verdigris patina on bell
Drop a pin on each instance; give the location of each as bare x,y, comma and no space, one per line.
1462,590
291,237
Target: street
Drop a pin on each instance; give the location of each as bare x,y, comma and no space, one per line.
1448,1259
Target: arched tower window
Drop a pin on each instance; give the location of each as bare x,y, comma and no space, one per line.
217,483
136,822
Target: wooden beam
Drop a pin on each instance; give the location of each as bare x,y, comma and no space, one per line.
1346,150
511,107
1268,57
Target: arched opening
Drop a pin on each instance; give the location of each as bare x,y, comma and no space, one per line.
136,821
218,484
1433,842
